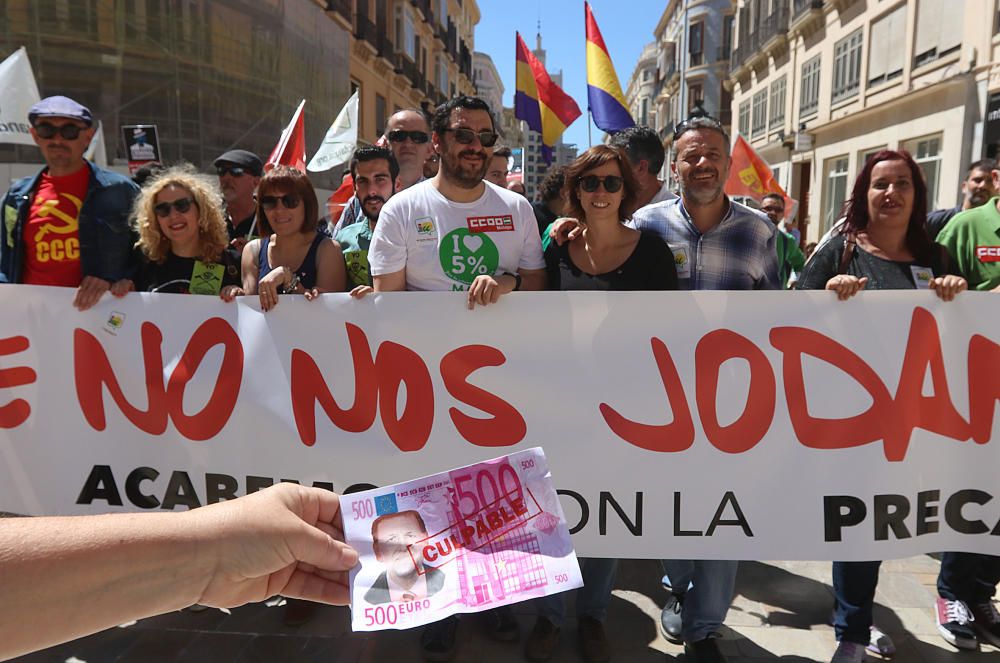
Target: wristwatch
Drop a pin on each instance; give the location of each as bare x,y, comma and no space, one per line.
517,280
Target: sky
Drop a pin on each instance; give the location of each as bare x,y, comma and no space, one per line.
626,25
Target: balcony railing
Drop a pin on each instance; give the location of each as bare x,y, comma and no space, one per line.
405,66
752,42
800,7
364,29
342,7
385,47
775,24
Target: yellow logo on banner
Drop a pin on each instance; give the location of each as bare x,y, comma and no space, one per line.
750,177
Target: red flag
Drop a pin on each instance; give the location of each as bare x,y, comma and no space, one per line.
750,176
338,199
291,147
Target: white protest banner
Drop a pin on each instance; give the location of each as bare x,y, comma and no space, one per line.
97,151
768,425
340,140
18,93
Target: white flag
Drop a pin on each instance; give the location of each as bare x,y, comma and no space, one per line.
96,151
341,139
18,93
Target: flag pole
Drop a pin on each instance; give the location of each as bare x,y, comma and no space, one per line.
590,119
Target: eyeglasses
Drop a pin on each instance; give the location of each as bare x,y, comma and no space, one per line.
235,171
288,201
67,131
698,122
182,205
464,136
589,183
398,136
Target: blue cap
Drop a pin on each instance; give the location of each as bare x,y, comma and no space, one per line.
60,106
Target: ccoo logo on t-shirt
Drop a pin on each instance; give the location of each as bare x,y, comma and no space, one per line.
988,253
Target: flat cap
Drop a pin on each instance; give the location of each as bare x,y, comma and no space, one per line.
60,106
246,160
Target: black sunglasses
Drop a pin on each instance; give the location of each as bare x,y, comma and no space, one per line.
398,136
702,121
589,183
288,201
235,171
464,136
67,131
182,205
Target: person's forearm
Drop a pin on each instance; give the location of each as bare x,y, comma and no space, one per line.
94,573
533,279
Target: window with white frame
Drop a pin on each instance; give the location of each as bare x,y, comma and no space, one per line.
847,66
759,113
777,117
927,153
744,124
865,155
809,91
887,47
939,30
405,33
834,191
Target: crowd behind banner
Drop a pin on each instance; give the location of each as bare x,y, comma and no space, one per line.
431,212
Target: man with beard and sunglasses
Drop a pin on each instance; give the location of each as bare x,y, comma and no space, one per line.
68,225
458,232
374,171
717,244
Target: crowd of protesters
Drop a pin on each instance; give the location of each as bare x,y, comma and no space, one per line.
604,222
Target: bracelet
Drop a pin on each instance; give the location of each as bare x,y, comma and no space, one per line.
517,280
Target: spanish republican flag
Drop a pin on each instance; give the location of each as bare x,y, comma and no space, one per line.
749,175
604,92
556,108
526,92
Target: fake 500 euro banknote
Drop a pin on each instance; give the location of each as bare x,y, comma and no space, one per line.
467,540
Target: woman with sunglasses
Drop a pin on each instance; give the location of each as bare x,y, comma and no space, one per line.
291,257
607,255
183,237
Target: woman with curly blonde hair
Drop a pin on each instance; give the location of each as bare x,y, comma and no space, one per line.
183,237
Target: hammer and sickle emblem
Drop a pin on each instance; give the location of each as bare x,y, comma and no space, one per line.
50,208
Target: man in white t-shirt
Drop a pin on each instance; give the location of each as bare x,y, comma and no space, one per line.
456,231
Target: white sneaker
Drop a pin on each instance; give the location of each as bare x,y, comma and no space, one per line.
848,652
881,644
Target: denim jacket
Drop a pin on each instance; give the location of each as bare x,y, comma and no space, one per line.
106,241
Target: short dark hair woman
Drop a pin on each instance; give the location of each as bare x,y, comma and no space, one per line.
291,257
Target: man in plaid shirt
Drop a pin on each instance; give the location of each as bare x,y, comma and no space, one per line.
717,245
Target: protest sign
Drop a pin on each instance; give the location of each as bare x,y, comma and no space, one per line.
768,425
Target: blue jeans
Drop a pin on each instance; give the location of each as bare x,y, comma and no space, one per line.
591,600
969,577
854,594
708,587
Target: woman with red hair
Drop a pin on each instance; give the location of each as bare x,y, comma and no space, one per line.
883,245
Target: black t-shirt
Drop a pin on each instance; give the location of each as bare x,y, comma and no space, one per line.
882,274
241,229
650,267
543,216
938,219
176,274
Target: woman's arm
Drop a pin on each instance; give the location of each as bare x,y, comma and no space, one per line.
249,267
78,575
331,270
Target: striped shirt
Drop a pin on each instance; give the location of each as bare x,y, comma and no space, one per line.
739,253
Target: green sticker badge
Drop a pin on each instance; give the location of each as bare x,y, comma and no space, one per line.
465,255
206,279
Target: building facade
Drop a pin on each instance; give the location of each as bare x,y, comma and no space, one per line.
210,75
693,40
640,92
406,54
489,87
819,85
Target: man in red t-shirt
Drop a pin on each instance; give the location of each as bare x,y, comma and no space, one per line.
42,216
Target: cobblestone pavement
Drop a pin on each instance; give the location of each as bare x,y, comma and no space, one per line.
780,613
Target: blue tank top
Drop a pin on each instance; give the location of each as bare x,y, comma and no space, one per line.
306,271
